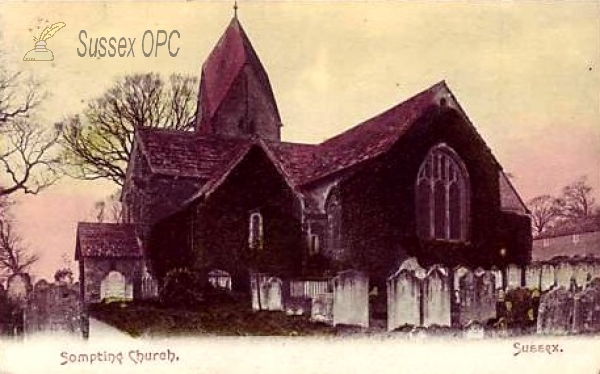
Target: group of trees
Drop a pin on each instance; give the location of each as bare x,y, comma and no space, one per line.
575,202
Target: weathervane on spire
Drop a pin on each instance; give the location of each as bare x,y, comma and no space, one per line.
235,8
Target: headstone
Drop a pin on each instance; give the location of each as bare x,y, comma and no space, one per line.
459,273
351,299
274,294
478,300
533,274
115,286
563,273
474,330
220,279
555,312
513,276
18,287
403,299
322,308
259,291
498,278
581,272
547,280
586,313
437,298
412,264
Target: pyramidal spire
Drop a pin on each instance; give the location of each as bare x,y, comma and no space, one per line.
236,98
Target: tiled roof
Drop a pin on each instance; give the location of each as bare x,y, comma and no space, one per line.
223,66
510,200
107,240
187,154
305,163
576,226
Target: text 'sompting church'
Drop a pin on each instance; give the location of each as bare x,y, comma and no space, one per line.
416,180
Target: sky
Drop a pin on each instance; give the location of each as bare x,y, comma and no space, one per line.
526,73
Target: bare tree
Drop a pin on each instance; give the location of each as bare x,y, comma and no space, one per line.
98,143
109,209
544,211
577,200
18,96
14,257
28,156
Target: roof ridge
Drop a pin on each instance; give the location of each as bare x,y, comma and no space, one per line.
411,99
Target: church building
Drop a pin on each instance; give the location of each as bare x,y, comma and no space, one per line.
416,180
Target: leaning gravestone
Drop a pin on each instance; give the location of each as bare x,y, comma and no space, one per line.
351,299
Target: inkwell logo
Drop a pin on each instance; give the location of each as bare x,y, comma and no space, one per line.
40,52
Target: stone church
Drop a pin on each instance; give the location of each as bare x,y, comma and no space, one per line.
416,180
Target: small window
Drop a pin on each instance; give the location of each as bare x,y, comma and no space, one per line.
314,244
575,238
255,235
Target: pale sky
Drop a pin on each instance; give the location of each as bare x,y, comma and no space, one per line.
527,75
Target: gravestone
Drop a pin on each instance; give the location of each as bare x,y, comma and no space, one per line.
582,274
498,278
322,308
115,286
547,280
586,311
474,330
563,273
274,300
220,279
459,273
436,297
259,291
478,297
533,274
18,287
351,299
513,276
555,312
403,299
412,264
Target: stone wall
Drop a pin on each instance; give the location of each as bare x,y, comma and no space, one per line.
95,271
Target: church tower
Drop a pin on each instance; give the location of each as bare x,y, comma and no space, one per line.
236,98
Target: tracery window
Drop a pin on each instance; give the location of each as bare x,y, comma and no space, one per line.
442,196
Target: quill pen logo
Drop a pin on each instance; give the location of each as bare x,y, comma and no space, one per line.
40,52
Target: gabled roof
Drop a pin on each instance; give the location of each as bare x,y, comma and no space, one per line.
188,154
107,240
510,201
223,66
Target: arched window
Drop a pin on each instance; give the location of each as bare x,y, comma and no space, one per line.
442,196
255,232
334,224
